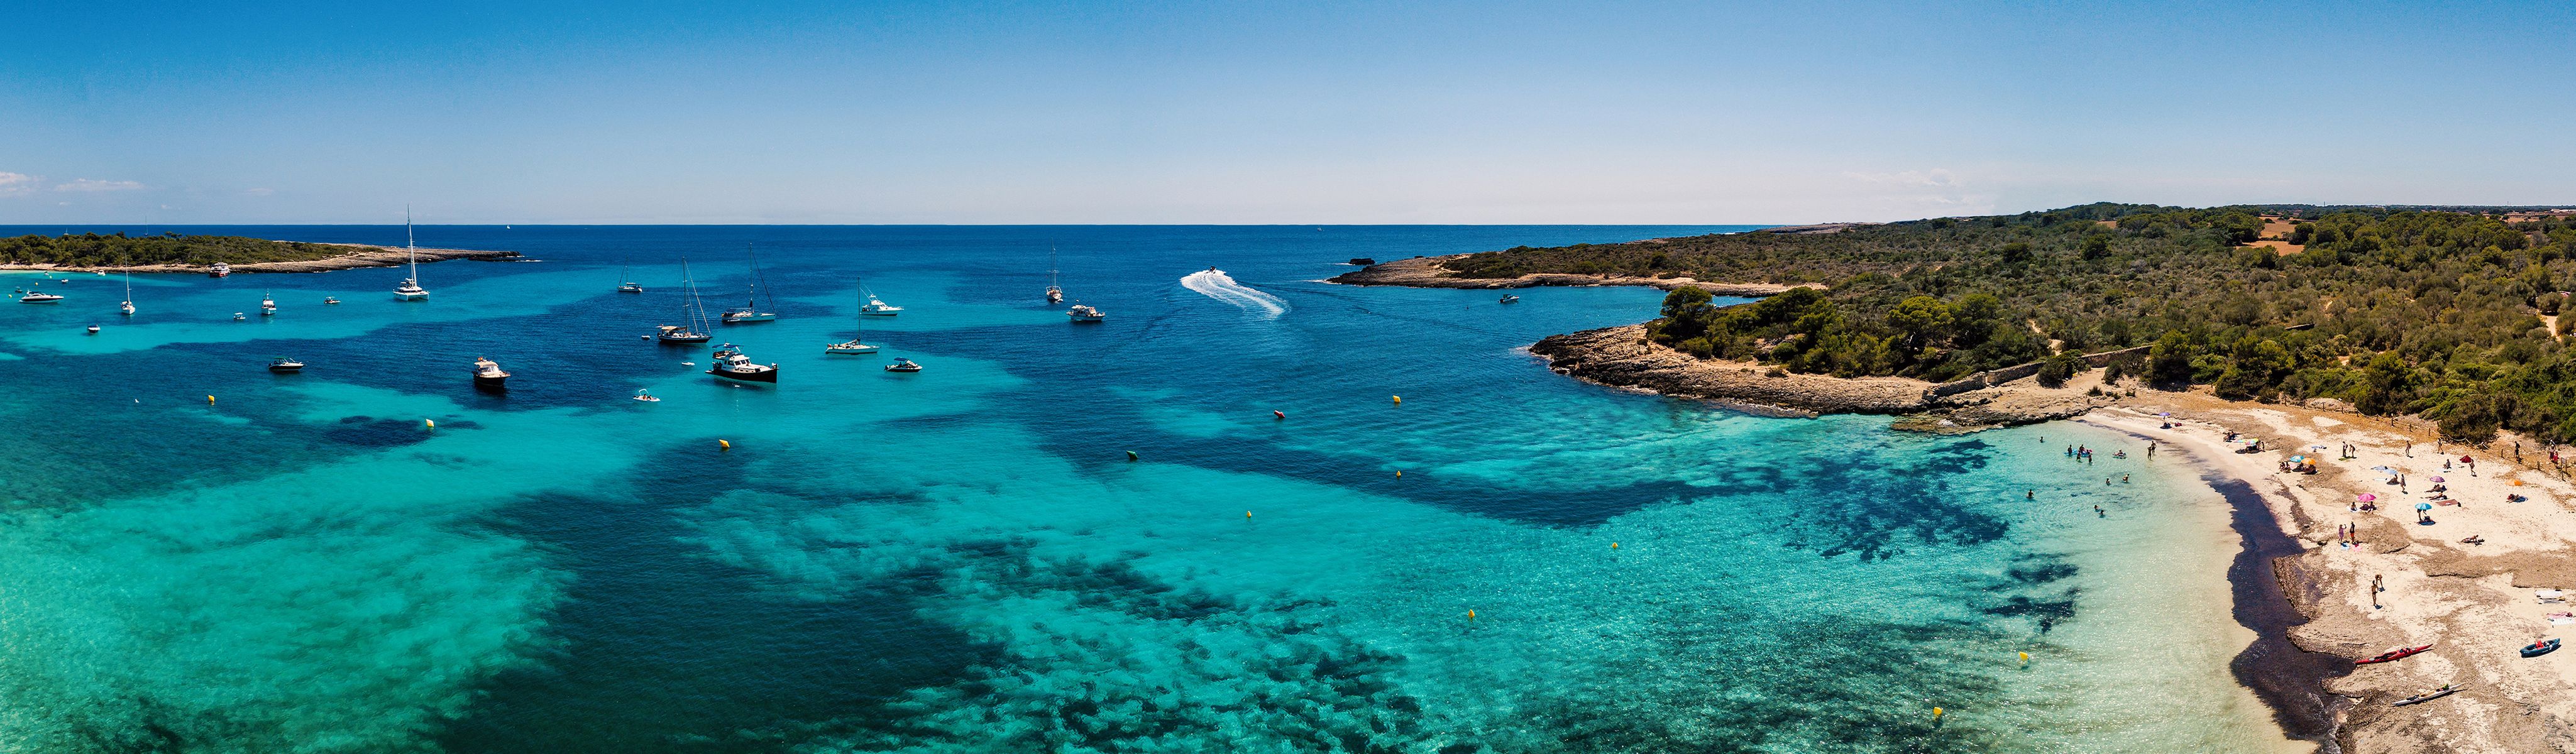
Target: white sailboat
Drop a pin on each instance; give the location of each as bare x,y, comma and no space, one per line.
857,344
128,306
626,280
750,311
695,330
1055,294
410,289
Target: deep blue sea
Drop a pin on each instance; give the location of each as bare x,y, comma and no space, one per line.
199,555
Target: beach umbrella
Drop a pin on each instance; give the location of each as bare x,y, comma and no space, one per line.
2367,497
2465,459
2437,480
2423,506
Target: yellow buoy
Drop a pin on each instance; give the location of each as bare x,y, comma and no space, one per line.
2025,658
724,445
1399,400
1399,475
1471,614
1247,514
1614,545
1936,713
210,400
433,423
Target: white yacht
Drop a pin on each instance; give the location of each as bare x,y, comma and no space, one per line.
732,365
1084,313
410,289
267,305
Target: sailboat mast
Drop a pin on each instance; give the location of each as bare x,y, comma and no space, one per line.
411,251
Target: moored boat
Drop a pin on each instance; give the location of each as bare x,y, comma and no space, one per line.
1054,293
646,397
488,374
218,269
38,297
857,344
750,311
902,364
93,329
329,301
731,364
267,305
692,310
876,307
410,289
1084,313
283,364
1511,299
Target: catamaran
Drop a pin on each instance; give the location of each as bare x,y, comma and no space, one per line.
750,311
410,289
1055,294
695,331
857,342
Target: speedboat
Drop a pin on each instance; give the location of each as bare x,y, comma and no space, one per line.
39,297
238,316
489,375
902,364
218,269
852,346
283,364
678,334
267,306
93,329
878,308
646,397
329,301
1084,313
732,365
1511,299
2393,655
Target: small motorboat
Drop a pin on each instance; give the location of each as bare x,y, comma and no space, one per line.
1511,299
1083,313
219,269
93,329
284,365
329,301
2393,655
238,316
876,307
731,364
2446,690
267,306
902,364
1361,261
850,347
646,397
2538,648
39,297
488,375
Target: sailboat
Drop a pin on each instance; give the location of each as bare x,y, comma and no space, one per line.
267,305
626,281
410,289
128,306
876,307
1055,294
750,311
696,313
857,342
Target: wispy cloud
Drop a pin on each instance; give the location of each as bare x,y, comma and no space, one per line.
96,185
1935,191
17,184
1925,178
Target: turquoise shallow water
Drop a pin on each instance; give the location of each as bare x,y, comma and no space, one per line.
964,560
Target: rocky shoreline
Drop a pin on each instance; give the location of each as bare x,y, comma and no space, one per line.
361,256
1430,272
1622,357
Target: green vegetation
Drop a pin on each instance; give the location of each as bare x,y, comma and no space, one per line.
94,250
2393,311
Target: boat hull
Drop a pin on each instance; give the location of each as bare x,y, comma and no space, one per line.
736,319
766,375
492,383
850,350
285,369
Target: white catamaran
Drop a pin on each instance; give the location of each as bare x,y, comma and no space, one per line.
410,289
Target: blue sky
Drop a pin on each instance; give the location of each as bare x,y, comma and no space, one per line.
1310,112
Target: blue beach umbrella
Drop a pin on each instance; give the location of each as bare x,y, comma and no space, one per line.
2423,506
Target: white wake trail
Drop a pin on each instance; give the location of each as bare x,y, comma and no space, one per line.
1215,284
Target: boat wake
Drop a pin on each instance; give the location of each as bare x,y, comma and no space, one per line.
1214,284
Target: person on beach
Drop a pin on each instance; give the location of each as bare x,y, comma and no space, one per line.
2124,479
2375,588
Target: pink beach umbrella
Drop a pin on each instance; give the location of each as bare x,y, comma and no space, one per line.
2437,480
2366,497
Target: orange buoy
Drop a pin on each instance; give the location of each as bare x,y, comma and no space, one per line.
1614,545
1274,413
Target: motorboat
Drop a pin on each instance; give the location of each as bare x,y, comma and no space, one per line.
1511,299
1084,313
750,311
218,269
238,316
38,297
329,301
93,329
410,289
878,308
267,305
902,364
646,397
283,365
731,364
488,374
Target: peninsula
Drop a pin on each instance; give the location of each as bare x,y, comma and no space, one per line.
171,252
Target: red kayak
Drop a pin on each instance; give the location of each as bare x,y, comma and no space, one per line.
2394,655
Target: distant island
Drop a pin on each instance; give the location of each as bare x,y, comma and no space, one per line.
171,252
2447,312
